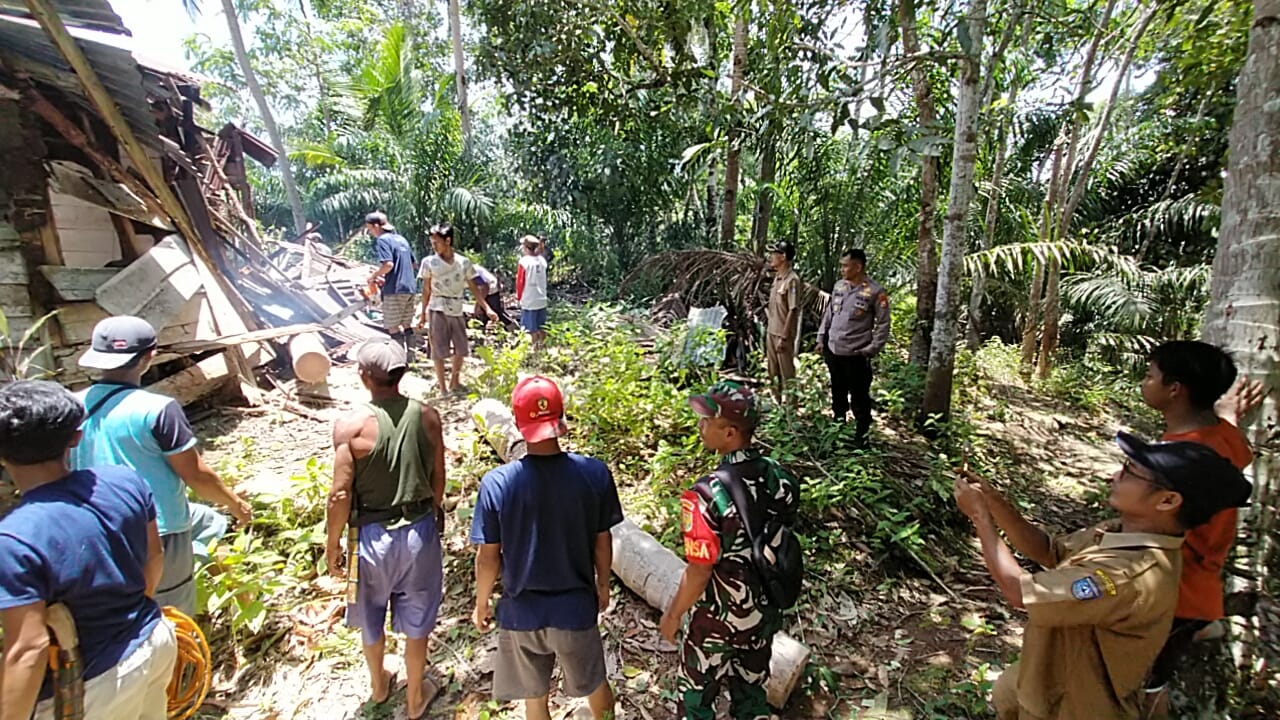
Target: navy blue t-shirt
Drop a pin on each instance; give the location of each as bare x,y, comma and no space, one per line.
546,511
402,280
82,542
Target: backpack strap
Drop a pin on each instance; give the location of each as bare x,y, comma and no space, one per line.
738,492
106,398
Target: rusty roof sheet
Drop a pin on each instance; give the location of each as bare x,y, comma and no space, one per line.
89,14
24,45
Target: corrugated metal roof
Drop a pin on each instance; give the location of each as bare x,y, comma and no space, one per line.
25,45
90,14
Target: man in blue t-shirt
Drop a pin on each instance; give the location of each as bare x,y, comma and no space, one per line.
86,540
544,521
396,272
148,432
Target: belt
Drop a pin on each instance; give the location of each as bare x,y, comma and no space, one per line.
368,517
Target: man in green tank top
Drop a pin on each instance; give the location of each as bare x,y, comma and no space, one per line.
388,485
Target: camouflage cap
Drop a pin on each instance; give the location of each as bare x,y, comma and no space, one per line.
729,400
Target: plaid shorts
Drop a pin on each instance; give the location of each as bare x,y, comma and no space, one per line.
397,311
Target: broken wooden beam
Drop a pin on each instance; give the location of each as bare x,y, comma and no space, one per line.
641,562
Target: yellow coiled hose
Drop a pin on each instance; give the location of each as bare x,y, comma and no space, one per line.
193,671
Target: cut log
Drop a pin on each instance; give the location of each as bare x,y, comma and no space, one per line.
311,361
641,562
196,382
494,420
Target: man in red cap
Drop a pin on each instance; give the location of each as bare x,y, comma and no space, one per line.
544,522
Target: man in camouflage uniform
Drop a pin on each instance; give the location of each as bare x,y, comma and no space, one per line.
730,633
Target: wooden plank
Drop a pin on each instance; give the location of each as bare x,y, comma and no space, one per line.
249,337
155,287
77,321
16,300
196,382
13,270
75,284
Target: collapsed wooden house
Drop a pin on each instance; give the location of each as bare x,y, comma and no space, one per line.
114,200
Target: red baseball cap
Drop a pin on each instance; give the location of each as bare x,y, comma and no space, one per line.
538,408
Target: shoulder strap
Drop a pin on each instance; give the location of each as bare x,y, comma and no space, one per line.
105,398
731,482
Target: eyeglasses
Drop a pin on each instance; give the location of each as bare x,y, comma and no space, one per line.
1130,468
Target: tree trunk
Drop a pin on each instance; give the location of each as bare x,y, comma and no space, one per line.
732,157
712,219
1052,299
926,243
1052,316
1244,307
942,350
764,198
460,73
1031,324
268,120
1095,143
973,330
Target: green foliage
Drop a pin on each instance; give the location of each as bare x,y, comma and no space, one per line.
252,569
19,360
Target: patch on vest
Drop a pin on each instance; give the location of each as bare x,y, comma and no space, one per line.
1086,588
1108,586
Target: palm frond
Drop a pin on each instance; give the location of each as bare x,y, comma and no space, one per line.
737,280
1015,258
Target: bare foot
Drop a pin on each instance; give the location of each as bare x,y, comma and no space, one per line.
429,692
382,692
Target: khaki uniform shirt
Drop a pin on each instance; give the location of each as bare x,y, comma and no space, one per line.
856,320
1096,622
784,297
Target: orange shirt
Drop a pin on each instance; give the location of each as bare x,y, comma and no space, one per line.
1206,547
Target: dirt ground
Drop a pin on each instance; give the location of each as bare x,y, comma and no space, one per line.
903,643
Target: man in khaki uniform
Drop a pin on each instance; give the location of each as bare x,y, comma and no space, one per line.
1100,611
783,312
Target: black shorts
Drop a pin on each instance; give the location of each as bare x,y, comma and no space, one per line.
1181,635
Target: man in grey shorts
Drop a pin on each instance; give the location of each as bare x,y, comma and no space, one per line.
544,522
388,486
148,432
446,276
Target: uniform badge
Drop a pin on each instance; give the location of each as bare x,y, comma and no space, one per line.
686,514
1086,588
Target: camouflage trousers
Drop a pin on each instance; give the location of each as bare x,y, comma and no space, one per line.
716,652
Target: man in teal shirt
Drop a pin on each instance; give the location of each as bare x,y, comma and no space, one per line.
126,425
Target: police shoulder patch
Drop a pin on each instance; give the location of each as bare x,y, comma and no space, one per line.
1086,588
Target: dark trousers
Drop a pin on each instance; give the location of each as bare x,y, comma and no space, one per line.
850,388
494,301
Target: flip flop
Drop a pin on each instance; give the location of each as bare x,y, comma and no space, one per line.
391,686
430,697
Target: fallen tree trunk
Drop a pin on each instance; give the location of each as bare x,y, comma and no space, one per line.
641,562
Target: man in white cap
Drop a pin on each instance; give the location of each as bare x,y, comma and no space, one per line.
146,431
388,485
